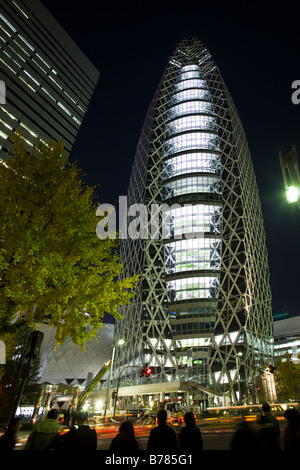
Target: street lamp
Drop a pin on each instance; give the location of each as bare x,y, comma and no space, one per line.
290,173
117,343
292,194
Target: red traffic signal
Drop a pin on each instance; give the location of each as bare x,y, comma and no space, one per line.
145,371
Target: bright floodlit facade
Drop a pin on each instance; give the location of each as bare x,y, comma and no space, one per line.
202,312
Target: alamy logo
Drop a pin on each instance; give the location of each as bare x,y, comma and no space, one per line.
140,222
296,94
2,92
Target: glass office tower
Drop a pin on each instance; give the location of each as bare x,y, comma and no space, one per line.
202,312
48,80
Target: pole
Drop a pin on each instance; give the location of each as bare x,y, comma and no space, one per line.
37,404
116,397
238,377
107,399
118,384
24,377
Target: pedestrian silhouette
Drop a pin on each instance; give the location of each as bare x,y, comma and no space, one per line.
45,433
292,430
9,438
245,437
125,441
162,439
79,438
190,438
269,429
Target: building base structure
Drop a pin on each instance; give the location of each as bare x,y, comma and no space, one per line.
151,396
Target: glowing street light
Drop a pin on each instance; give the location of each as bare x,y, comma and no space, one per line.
292,194
290,173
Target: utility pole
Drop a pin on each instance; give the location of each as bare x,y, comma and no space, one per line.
31,351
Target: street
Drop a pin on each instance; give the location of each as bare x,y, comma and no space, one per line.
213,440
216,438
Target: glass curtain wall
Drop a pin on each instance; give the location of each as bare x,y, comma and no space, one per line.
193,220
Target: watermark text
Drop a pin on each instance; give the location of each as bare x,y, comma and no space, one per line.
140,222
296,94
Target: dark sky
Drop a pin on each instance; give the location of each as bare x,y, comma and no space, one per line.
256,47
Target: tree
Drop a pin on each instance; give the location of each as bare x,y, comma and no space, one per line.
287,378
53,267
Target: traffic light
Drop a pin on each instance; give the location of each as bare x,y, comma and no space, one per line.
33,345
145,371
270,368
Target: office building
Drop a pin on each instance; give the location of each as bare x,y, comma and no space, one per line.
47,81
202,313
287,338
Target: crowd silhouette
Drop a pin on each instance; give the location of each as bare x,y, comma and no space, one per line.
125,441
263,435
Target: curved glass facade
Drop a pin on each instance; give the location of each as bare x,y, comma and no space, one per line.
192,264
202,313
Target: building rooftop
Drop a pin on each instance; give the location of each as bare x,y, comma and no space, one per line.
286,326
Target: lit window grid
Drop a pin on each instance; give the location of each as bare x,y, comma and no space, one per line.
189,219
188,68
11,122
191,74
191,185
35,86
188,123
204,310
192,328
196,162
290,347
194,342
191,255
191,141
193,83
191,107
190,94
26,59
193,288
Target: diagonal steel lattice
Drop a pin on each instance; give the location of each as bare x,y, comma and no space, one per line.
202,310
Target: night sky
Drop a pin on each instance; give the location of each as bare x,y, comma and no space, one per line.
256,48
